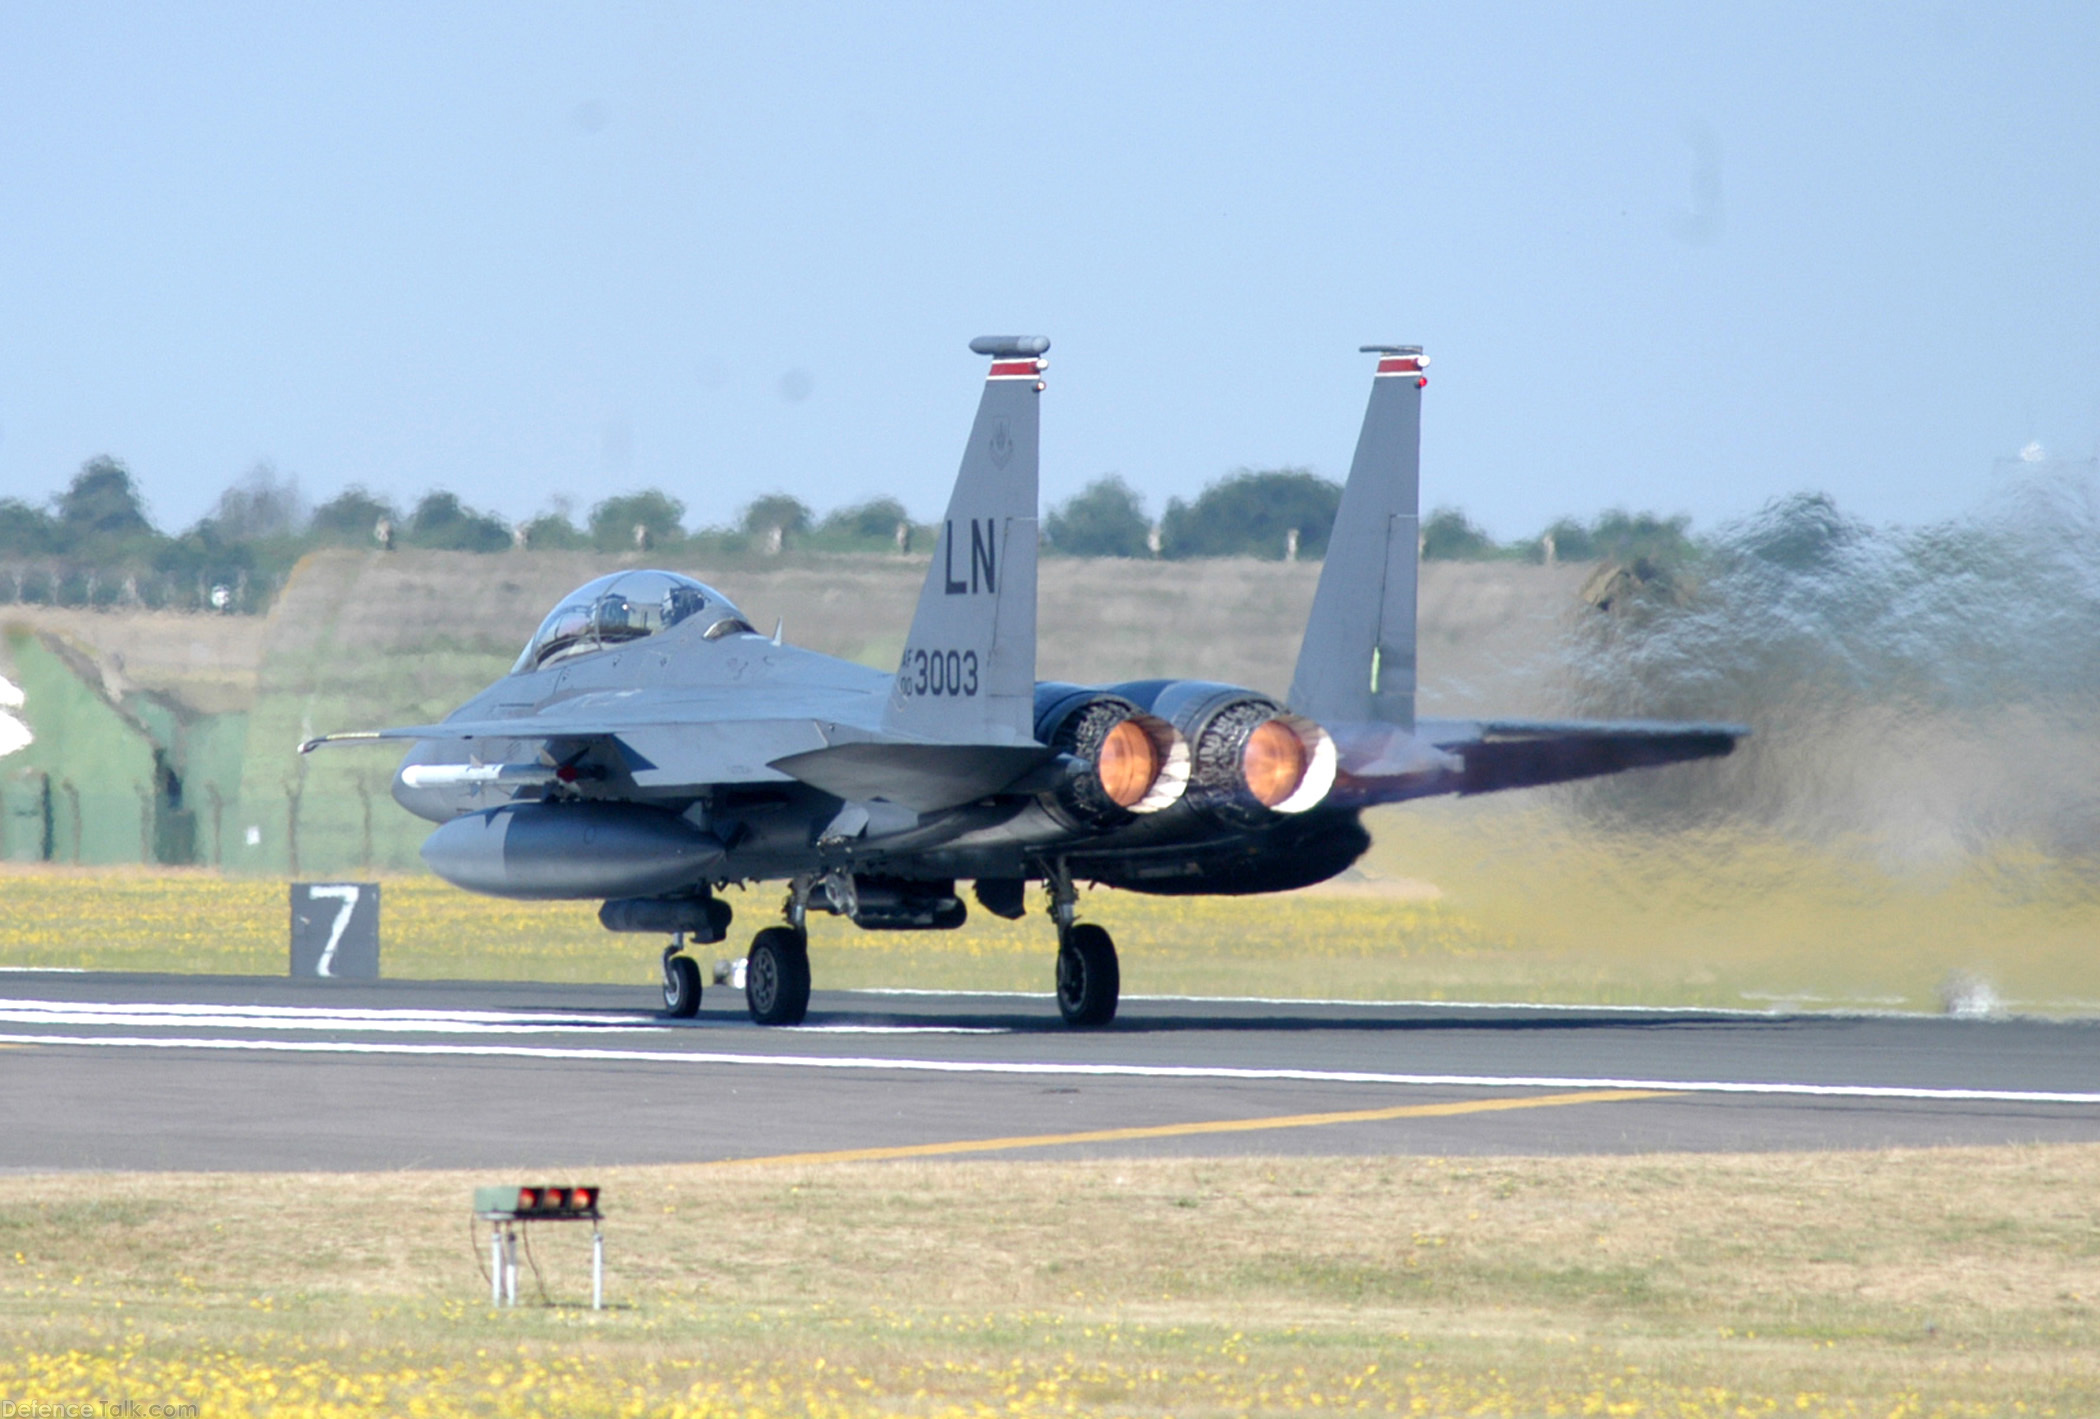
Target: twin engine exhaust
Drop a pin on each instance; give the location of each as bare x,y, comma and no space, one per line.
1223,753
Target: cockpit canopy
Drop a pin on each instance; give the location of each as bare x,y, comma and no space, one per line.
627,606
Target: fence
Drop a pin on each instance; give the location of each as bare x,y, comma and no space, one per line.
55,583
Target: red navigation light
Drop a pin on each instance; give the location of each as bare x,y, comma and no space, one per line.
528,1199
584,1199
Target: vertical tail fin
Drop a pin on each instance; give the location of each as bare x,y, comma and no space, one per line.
968,674
1357,662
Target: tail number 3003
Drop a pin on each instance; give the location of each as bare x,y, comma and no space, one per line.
938,672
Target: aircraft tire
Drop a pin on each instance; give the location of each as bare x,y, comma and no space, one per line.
681,987
1088,977
776,977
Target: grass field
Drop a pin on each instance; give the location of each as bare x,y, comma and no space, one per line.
1953,1282
1452,903
120,919
1949,1282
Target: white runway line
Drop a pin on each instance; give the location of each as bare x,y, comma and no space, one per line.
1857,1010
849,1029
293,1017
371,1021
1066,1070
333,1012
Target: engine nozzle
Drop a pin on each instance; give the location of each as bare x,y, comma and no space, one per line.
1127,764
1134,763
1288,763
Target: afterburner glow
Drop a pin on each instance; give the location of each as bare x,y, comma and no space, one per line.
1128,764
1273,763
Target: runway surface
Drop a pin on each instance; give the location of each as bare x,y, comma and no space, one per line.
120,1071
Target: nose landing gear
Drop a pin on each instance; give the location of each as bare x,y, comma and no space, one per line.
681,981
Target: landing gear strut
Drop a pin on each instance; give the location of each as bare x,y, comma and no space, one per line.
776,975
681,981
1089,980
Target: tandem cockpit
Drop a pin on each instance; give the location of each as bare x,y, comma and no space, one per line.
625,607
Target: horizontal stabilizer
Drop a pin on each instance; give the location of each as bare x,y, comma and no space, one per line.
1527,753
1467,756
922,777
1448,732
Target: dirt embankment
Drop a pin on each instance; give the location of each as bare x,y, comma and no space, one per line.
1487,630
207,662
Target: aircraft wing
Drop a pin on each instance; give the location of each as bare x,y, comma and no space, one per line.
658,753
1468,756
922,777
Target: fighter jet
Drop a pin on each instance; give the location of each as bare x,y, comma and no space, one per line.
651,749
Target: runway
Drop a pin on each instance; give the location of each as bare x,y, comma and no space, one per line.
122,1071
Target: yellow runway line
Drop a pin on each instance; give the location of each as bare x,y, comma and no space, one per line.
1184,1130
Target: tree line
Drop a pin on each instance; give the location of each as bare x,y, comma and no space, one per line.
1289,512
94,544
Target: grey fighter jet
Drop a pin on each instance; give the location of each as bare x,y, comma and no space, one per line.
650,748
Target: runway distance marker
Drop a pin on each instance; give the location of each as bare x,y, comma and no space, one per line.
1185,1130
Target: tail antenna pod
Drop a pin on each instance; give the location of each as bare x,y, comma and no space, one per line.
1010,347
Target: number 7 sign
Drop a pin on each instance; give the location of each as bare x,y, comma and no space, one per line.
335,930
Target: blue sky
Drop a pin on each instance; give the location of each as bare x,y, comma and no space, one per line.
1679,258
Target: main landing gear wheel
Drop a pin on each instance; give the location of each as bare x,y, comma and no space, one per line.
1088,978
681,986
776,977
